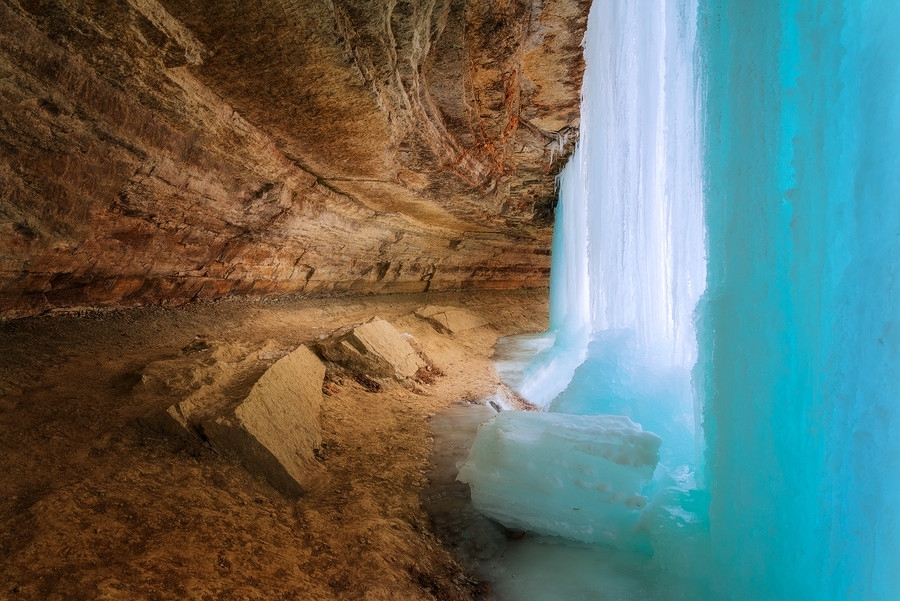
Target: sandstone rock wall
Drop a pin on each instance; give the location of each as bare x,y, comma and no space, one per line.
176,150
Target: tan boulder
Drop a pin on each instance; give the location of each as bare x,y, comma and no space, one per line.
375,348
276,429
451,319
208,378
260,406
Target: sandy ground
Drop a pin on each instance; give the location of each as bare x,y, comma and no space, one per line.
95,505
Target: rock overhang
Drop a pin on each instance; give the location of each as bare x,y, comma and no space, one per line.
164,151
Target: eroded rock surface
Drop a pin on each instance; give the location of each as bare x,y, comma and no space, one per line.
163,151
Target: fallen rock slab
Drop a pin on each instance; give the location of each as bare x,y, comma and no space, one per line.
375,348
208,377
276,430
258,405
451,319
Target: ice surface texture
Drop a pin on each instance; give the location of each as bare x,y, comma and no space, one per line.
629,245
799,337
573,476
628,268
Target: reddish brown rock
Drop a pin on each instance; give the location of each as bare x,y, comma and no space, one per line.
164,151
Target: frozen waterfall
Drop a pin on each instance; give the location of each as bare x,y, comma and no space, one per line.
745,155
629,255
611,460
800,333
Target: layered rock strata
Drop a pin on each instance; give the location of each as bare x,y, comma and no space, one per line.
176,150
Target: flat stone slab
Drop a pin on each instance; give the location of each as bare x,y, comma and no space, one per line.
260,406
275,431
451,319
375,348
208,378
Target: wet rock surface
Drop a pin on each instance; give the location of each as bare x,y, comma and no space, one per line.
475,540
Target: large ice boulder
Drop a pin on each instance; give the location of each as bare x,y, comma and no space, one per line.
578,477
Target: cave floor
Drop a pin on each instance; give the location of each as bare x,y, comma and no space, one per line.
95,505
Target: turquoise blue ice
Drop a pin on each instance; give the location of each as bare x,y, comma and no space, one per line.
800,332
725,274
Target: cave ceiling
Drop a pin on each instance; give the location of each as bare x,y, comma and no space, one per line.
164,151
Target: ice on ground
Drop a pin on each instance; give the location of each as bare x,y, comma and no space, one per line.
539,366
577,477
618,378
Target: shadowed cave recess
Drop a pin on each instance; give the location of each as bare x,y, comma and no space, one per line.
712,411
